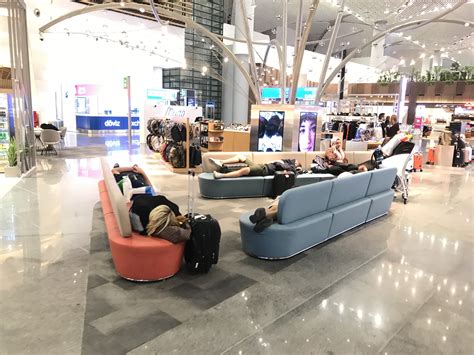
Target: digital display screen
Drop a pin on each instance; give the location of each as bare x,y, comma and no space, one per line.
307,131
270,131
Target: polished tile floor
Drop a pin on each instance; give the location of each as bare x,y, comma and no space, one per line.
399,285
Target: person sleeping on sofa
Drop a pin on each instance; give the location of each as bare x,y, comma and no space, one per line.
263,217
157,216
253,169
132,180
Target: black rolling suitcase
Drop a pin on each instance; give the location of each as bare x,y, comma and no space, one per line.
202,248
283,181
458,158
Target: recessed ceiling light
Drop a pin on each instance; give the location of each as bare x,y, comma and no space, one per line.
466,24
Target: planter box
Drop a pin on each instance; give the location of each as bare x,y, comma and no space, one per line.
12,171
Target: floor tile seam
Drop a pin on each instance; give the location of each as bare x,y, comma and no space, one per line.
406,321
307,299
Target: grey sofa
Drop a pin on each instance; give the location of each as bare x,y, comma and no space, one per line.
258,186
311,214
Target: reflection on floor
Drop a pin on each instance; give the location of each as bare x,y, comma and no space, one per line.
401,284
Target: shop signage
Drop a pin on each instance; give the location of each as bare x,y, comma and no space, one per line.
302,93
101,123
177,112
162,94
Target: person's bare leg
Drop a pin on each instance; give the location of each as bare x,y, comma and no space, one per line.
233,174
233,160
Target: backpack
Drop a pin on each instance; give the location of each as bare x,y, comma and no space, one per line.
319,163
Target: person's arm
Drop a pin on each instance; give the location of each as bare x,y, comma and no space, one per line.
138,170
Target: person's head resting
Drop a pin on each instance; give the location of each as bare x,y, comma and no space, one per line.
362,168
273,125
336,142
160,218
393,119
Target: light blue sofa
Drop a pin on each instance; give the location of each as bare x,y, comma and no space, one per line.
311,214
258,186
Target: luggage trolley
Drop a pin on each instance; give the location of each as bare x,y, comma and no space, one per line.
400,161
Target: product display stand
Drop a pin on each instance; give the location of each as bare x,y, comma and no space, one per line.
185,169
215,137
212,136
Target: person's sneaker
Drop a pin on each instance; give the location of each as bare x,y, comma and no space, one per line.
218,175
258,215
116,165
216,163
263,224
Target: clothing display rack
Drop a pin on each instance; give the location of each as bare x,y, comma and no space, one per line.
172,140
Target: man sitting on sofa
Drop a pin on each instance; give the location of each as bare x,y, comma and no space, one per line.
253,169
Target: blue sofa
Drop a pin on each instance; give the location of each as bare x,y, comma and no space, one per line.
258,186
311,214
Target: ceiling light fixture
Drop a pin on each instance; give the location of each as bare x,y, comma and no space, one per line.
142,10
466,24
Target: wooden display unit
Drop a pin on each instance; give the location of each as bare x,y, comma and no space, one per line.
215,136
236,141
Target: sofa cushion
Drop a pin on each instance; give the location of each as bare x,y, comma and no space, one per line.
117,200
231,187
208,168
349,189
306,179
382,180
349,157
303,201
348,216
380,204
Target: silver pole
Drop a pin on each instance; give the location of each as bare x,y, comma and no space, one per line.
332,42
284,44
129,112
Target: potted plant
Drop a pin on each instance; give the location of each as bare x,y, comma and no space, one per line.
12,170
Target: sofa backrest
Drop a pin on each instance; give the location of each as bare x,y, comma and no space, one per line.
349,189
118,201
303,201
263,157
381,180
360,157
208,168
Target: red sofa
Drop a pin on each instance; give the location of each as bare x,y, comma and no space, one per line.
136,257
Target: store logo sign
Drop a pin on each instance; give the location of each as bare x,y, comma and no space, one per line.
135,123
172,112
110,123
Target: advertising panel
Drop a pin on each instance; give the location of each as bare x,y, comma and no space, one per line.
270,131
307,131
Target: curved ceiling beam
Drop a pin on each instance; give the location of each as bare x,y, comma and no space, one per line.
155,13
299,52
340,37
186,20
277,45
376,38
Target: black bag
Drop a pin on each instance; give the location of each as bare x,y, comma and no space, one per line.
227,168
202,248
458,159
283,181
195,156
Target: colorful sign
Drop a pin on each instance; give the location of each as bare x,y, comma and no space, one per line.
162,94
302,93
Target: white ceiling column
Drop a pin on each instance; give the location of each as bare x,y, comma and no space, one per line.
240,103
377,51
